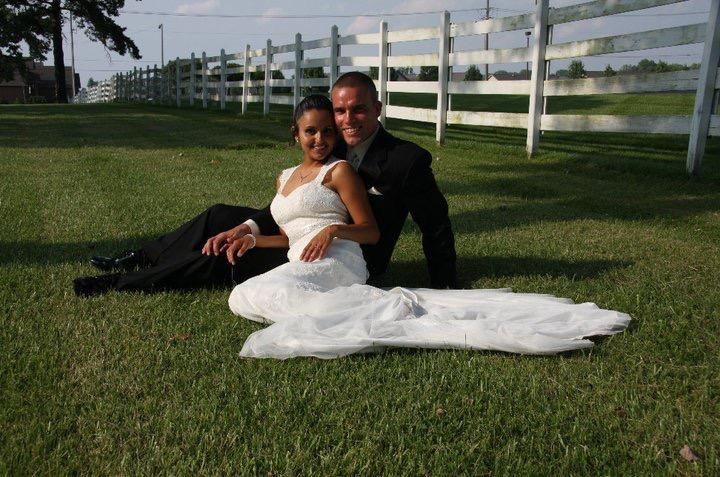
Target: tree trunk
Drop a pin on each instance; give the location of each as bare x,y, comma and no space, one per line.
57,22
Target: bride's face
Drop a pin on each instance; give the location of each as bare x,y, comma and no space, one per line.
316,134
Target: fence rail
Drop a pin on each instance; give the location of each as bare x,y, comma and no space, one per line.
222,78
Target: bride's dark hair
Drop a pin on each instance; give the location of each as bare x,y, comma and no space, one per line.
309,103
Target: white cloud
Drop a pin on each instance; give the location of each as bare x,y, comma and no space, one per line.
423,6
267,14
364,25
206,6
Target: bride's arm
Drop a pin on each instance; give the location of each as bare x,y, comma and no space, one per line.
241,245
245,243
347,183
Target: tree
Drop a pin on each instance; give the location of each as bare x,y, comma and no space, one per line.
396,73
91,82
44,21
317,72
576,70
473,74
609,71
21,26
428,73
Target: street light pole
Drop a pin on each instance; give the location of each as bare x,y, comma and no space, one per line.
72,56
487,35
162,47
527,64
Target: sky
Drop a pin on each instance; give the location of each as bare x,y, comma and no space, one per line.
313,19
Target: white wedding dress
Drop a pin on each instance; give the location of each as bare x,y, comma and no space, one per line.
324,309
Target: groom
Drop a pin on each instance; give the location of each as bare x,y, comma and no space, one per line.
399,180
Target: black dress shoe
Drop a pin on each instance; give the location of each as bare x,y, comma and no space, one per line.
125,261
90,286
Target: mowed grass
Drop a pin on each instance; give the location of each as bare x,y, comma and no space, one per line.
135,383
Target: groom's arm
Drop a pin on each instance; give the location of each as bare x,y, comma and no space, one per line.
429,210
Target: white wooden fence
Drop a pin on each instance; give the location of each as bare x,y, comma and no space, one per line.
181,81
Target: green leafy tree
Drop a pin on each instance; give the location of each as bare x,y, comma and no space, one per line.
576,70
402,71
473,74
43,22
428,73
21,26
609,71
395,73
316,72
91,82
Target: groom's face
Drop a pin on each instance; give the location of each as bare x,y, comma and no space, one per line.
356,113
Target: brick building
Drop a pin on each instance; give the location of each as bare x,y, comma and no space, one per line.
39,84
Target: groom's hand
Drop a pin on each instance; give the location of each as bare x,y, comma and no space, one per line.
220,242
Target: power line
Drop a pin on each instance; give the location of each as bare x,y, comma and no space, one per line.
301,17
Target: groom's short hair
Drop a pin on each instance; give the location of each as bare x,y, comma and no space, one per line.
356,78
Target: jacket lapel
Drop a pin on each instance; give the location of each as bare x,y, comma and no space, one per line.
375,157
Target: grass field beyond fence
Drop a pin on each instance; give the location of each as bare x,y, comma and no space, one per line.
144,384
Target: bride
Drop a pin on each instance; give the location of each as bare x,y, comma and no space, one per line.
318,305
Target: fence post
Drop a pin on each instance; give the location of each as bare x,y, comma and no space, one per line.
193,74
547,68
147,83
134,83
140,86
156,82
537,78
177,81
443,67
268,77
223,78
451,49
204,81
383,68
334,53
298,69
706,88
246,79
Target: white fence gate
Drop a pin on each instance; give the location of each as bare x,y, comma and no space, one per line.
178,81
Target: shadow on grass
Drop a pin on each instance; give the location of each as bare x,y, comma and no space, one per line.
470,269
37,253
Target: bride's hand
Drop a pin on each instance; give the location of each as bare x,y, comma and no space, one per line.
239,246
316,248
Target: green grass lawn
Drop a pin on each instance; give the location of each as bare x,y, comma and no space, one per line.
142,384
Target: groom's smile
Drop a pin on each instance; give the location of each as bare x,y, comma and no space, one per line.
356,113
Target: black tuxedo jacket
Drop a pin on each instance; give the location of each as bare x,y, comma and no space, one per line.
400,171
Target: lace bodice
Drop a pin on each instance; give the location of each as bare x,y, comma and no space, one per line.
307,209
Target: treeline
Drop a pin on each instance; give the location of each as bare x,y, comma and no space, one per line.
577,68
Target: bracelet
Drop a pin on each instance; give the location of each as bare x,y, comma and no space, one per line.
254,241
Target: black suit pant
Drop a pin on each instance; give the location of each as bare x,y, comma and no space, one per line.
175,261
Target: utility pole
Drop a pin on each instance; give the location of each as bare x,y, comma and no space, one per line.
72,56
162,46
527,45
487,35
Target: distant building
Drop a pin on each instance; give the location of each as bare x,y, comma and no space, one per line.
39,86
507,76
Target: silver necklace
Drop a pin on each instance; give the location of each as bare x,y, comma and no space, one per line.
303,177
